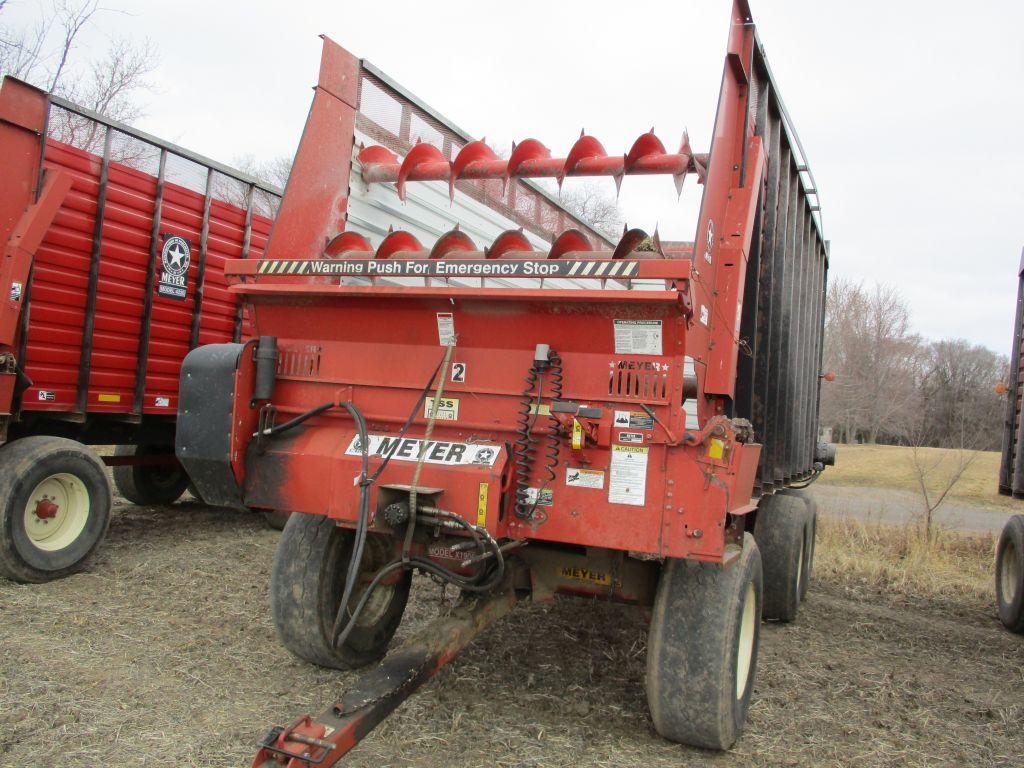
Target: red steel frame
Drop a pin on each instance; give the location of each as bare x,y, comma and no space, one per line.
694,481
372,344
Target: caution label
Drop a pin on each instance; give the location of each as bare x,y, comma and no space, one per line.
633,420
434,451
547,497
577,477
446,329
628,481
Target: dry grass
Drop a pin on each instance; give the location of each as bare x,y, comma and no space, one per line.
890,466
901,560
163,654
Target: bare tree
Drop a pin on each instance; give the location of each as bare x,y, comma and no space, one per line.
877,360
938,471
110,85
274,171
592,203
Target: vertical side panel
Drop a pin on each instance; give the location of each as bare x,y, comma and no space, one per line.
1011,454
313,209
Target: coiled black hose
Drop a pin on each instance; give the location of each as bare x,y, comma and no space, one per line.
525,442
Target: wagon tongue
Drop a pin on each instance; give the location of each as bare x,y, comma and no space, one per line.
324,740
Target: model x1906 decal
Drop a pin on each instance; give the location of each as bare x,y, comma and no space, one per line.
175,258
435,451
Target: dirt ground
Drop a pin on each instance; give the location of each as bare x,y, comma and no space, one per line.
163,654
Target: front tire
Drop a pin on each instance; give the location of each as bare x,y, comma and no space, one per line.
702,648
149,484
306,585
1010,574
54,508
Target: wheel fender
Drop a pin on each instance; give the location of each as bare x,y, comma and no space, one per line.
214,415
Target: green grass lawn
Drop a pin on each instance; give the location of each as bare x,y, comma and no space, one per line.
891,466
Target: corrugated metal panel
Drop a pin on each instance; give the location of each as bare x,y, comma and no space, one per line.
60,282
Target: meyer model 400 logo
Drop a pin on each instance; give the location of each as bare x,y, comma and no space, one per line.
175,258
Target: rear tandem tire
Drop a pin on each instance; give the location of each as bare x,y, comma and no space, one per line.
810,535
54,508
781,533
306,584
149,484
1010,574
702,648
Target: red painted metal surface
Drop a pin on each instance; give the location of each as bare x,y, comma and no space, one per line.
377,342
604,415
56,238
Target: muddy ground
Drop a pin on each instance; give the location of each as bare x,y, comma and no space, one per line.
163,654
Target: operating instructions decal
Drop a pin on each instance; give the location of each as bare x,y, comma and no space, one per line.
637,337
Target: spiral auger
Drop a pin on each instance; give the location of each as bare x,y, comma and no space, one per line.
511,244
531,159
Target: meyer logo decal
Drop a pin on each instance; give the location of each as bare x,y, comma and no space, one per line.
435,451
174,262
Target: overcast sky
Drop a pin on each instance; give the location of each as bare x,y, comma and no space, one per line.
910,112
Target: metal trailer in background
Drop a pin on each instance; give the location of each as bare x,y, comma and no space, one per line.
623,421
115,244
1010,549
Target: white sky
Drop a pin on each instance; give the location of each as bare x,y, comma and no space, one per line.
910,112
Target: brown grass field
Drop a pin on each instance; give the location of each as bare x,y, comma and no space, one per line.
891,466
163,654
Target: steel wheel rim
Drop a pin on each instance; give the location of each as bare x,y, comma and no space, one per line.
745,641
1009,576
52,529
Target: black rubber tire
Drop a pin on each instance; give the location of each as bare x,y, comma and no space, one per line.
152,484
26,463
810,536
305,590
1010,574
693,649
781,533
276,519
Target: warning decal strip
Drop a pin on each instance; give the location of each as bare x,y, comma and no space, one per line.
445,268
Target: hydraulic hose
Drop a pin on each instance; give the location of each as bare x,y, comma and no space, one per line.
526,443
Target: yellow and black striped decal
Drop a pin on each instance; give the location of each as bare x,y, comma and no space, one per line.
603,268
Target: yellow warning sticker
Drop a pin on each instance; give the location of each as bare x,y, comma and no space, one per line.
716,448
104,397
481,505
585,575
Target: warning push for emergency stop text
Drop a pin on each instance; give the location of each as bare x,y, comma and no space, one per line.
442,268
